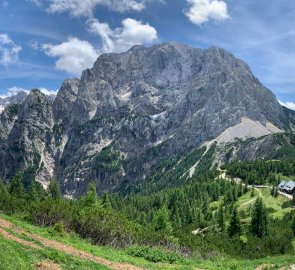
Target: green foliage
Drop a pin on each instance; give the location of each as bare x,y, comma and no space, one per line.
108,159
16,188
155,255
293,225
59,229
162,221
259,221
261,172
220,219
234,224
164,218
54,190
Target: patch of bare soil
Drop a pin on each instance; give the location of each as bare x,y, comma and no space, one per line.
47,266
10,236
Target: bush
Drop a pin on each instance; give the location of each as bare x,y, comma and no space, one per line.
155,254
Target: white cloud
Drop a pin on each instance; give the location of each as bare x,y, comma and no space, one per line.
290,105
86,7
48,92
8,50
201,11
74,55
131,33
15,90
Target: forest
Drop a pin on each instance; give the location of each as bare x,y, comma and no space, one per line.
200,218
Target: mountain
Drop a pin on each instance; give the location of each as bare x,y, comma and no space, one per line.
14,99
135,110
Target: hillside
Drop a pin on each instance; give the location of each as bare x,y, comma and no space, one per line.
23,246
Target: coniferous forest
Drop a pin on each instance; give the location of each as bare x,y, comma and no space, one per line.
203,217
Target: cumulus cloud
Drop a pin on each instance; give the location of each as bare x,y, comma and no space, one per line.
201,11
74,55
290,105
8,50
86,7
131,33
12,91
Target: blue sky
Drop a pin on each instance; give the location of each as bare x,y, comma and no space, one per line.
42,42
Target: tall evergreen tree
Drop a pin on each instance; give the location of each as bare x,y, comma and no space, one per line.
54,190
162,221
259,221
220,219
234,224
36,192
91,198
106,202
293,225
16,188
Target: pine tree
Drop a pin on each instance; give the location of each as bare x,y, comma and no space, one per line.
293,225
91,198
162,221
240,189
220,219
106,202
54,190
246,187
234,225
34,193
16,188
259,221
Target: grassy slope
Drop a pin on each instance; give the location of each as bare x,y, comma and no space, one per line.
16,256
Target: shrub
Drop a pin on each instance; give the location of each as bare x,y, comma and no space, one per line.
155,254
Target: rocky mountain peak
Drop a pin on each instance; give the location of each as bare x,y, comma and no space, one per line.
135,109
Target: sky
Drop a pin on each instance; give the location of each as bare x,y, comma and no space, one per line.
43,42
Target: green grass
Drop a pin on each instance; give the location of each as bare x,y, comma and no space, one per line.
271,203
104,252
228,264
15,256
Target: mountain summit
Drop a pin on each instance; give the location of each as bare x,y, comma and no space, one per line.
133,110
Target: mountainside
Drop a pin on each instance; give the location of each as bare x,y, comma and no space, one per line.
134,110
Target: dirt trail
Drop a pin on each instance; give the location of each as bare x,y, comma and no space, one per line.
4,224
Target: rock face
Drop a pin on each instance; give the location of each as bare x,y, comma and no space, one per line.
133,110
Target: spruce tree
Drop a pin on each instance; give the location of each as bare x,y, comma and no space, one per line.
220,219
54,190
246,187
259,221
91,198
106,202
293,225
234,224
16,188
162,221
